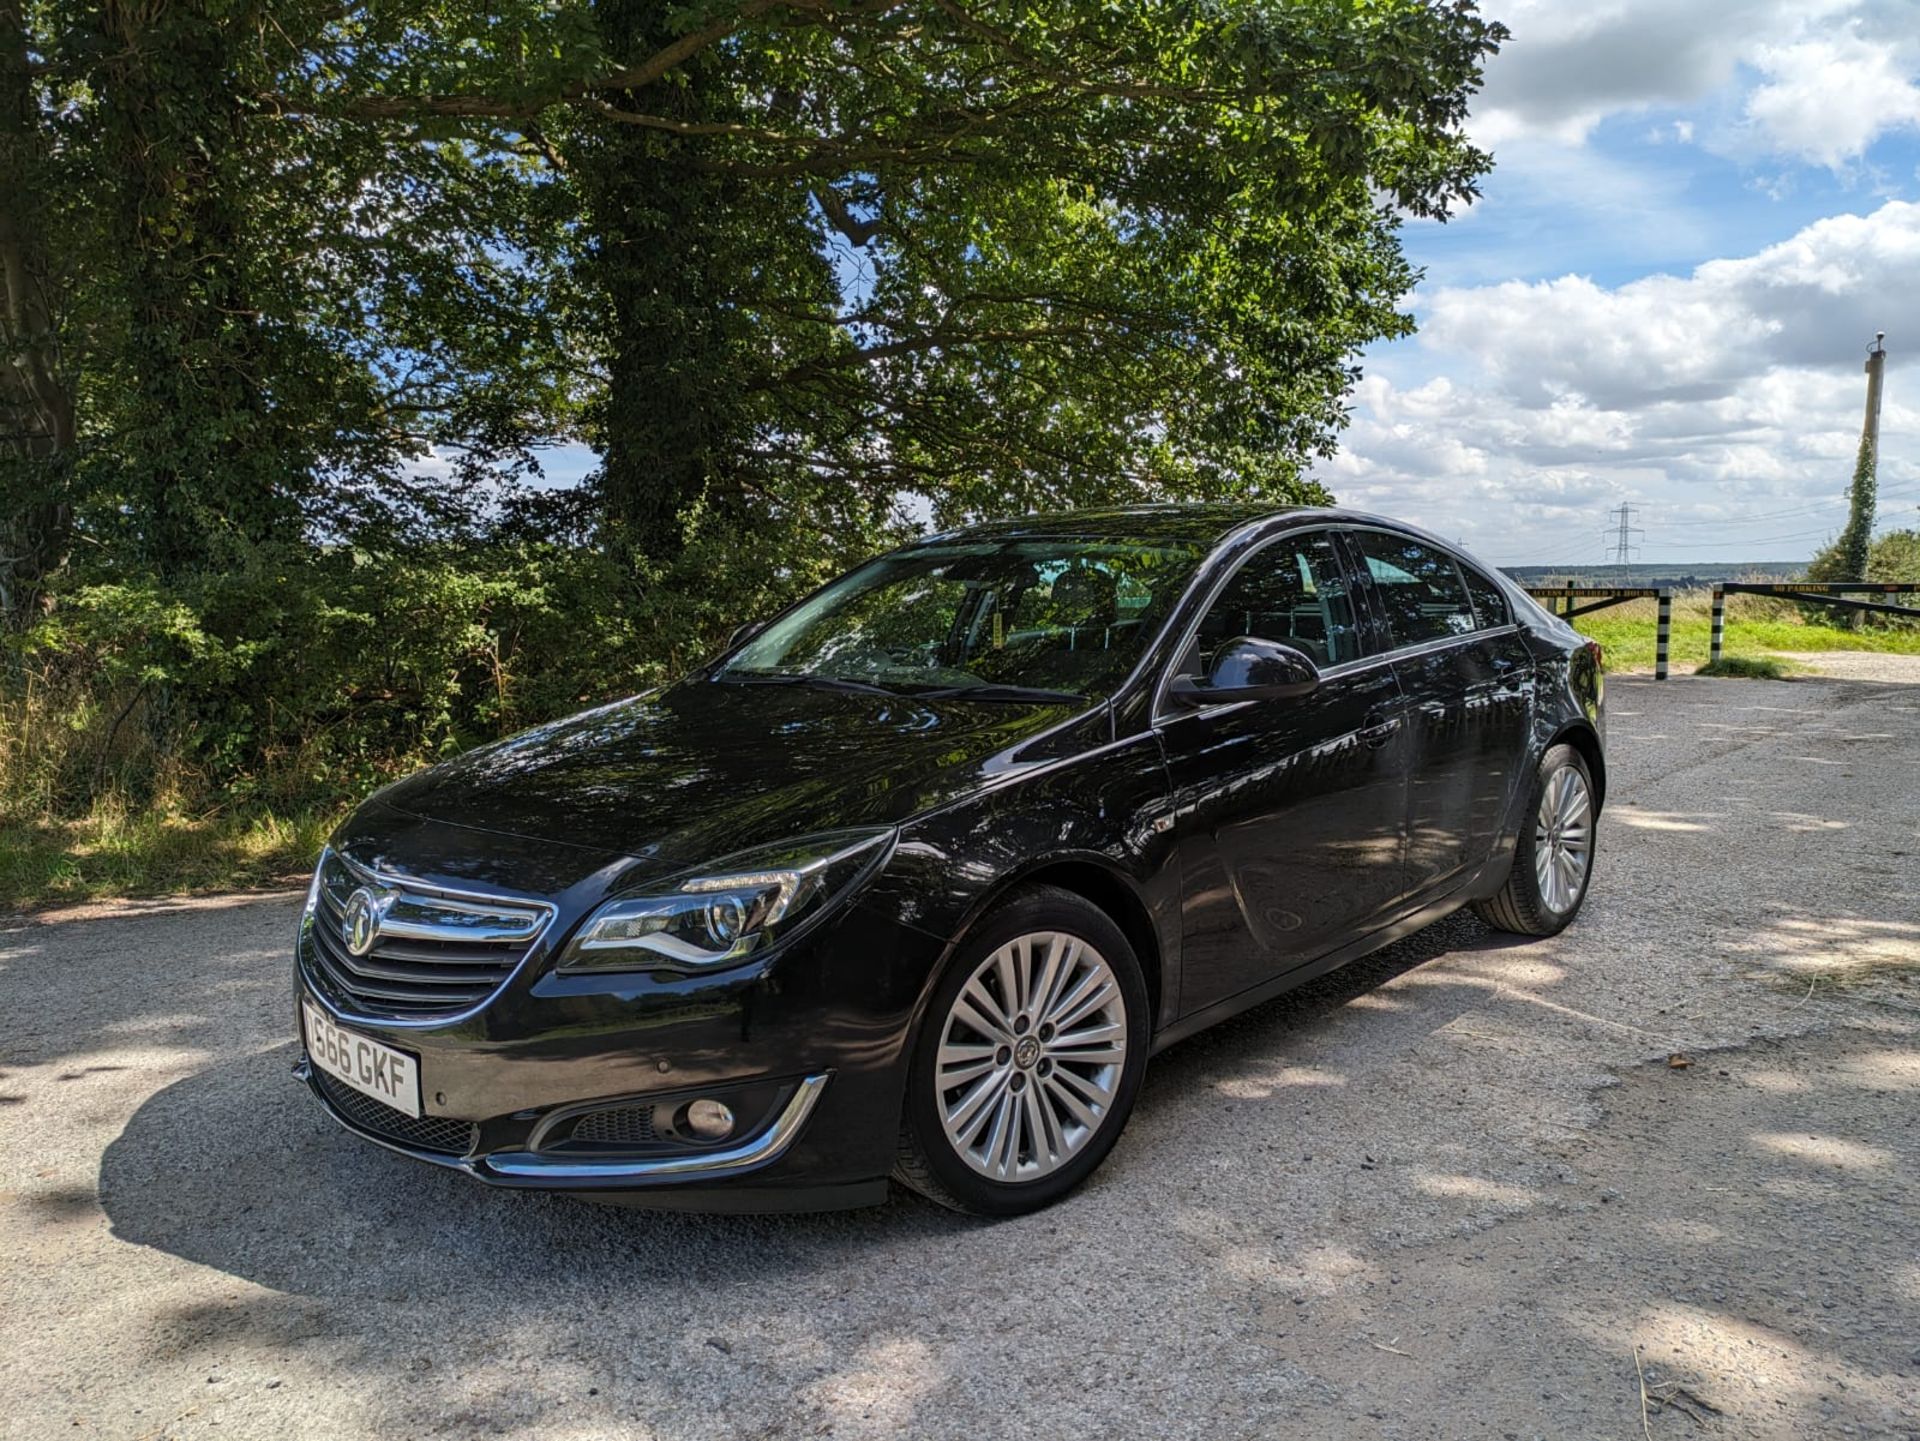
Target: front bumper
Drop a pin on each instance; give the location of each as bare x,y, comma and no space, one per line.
810,1041
666,1180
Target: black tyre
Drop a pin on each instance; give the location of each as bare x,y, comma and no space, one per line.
1028,1059
1553,857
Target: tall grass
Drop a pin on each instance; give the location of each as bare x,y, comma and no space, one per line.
94,803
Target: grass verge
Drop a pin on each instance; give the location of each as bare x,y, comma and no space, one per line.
113,853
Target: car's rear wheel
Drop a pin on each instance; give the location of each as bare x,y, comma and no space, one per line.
1027,1060
1553,856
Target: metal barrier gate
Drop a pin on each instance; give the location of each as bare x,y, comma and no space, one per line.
1819,592
1602,596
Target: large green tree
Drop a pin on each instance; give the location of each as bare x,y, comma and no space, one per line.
990,254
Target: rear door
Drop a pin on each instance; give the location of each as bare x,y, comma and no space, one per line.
1290,814
1468,679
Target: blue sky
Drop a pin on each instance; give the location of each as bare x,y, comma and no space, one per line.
1701,211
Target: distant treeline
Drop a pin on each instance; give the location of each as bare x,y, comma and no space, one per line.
1689,576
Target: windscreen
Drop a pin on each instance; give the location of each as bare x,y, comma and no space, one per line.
1058,617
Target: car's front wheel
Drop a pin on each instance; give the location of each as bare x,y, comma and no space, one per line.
1027,1060
1553,855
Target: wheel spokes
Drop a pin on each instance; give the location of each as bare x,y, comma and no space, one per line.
1030,1056
965,1120
1563,838
960,1063
983,1013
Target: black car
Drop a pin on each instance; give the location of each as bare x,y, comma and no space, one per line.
913,879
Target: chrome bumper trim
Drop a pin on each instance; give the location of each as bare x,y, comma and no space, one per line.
704,1165
560,1172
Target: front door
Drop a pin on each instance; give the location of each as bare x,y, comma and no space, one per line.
1290,814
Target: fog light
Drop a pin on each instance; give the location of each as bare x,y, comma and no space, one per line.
709,1119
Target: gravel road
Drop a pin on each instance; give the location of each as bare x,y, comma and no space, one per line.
1448,1192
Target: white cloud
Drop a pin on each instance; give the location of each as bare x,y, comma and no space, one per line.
1824,78
1827,100
1731,392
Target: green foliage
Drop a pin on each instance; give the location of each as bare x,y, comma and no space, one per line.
118,851
1893,556
1850,555
1856,540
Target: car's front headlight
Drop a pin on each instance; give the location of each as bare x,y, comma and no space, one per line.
727,912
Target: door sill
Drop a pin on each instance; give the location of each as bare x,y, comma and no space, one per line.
1417,919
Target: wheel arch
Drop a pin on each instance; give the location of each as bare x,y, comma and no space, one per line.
1094,880
1584,739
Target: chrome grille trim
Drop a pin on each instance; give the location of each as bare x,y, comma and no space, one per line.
438,955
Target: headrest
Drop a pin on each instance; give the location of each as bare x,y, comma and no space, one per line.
1085,594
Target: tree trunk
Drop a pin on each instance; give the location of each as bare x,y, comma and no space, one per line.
667,257
36,397
213,471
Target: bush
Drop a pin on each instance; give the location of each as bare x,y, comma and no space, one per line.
1894,556
303,678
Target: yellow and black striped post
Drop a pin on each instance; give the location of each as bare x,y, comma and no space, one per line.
1660,634
1719,623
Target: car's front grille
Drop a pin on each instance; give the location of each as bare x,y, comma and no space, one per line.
398,949
423,1133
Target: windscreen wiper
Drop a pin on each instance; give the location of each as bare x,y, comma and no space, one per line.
1039,695
812,682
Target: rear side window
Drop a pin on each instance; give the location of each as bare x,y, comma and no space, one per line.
1489,601
1292,590
1420,588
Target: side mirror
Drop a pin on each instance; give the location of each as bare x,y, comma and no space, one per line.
745,632
1249,669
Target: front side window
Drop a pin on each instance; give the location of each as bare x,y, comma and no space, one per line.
1064,615
1419,586
1292,591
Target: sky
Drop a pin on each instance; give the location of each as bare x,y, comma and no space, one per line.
1700,213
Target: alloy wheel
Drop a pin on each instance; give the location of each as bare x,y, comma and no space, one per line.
1030,1056
1563,839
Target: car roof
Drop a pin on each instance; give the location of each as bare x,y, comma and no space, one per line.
1205,523
1200,523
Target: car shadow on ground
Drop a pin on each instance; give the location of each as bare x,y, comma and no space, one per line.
325,1205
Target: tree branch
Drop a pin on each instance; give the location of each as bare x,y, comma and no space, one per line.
833,205
636,77
916,344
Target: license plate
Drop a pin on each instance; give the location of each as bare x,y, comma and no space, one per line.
362,1062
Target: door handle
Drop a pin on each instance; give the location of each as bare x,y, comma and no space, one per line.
1377,733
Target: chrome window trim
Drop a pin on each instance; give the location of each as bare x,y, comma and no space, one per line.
1366,663
397,881
1162,713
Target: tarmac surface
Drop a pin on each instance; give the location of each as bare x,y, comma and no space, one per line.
1456,1190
